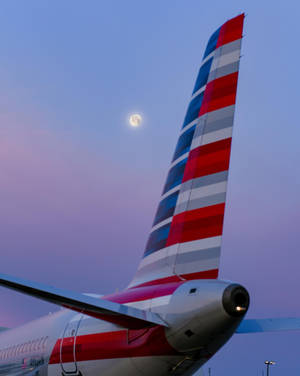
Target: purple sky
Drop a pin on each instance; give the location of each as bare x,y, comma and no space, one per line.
79,188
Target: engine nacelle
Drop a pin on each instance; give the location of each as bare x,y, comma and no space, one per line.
203,315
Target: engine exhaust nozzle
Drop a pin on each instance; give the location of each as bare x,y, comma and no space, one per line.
236,300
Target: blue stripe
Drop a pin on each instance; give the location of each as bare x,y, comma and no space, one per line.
212,43
193,109
184,143
166,208
175,176
203,75
157,239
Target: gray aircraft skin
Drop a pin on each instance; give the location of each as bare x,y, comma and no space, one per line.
201,316
175,314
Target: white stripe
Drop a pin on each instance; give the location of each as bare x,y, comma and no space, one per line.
162,253
198,92
162,223
184,268
208,57
194,245
197,245
208,138
188,126
179,159
150,303
194,267
208,190
143,304
162,300
219,135
168,193
183,197
226,59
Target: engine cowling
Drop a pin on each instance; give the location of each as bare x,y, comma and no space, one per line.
204,314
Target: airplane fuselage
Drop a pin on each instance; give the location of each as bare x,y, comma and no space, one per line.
200,321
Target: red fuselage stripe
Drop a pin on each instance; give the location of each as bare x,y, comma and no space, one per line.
145,293
112,345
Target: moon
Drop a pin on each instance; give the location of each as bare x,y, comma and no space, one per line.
135,120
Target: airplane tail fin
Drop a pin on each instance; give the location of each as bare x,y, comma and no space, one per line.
185,239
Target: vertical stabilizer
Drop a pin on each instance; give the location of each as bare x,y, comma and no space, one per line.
185,239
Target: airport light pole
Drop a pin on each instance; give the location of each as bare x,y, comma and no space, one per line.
269,363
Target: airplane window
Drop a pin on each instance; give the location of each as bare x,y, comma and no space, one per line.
40,343
44,343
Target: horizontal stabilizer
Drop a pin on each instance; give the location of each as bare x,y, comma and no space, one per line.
268,325
120,314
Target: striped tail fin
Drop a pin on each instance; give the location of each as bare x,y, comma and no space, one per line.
185,239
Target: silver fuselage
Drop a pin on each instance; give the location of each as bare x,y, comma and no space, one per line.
68,343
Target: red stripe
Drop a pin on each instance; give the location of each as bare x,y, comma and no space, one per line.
127,296
136,295
197,224
192,215
231,30
219,93
206,274
112,345
55,355
208,159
